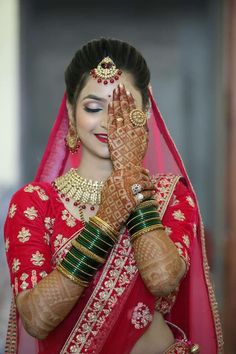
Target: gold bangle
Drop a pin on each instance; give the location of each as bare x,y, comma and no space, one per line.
145,203
80,260
108,244
102,228
83,236
87,252
144,231
75,280
110,236
105,225
80,270
141,222
147,212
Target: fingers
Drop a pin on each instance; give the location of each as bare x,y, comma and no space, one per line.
145,195
130,98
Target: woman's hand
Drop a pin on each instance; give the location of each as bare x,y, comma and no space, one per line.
127,143
118,199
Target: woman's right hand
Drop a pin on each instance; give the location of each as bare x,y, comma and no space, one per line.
118,199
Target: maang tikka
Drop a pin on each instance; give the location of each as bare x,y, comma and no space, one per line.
106,71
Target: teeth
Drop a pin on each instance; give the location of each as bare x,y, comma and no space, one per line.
102,136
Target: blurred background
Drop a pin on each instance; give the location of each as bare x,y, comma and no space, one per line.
190,47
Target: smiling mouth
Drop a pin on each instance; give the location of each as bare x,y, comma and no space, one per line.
102,137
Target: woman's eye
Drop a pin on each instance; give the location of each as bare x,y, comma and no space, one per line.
92,110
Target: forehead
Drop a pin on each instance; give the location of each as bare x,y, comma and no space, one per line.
104,91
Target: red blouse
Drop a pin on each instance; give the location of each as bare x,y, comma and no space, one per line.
38,224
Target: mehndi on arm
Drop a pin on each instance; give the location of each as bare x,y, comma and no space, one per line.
159,262
157,258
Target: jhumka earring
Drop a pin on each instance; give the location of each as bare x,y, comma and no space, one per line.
106,71
72,140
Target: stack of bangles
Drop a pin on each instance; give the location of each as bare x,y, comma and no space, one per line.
89,250
143,219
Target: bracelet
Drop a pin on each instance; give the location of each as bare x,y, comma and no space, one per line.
144,221
80,260
92,245
141,217
87,252
102,239
105,227
143,231
75,280
146,203
75,269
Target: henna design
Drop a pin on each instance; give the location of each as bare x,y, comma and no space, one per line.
45,306
158,261
117,198
127,143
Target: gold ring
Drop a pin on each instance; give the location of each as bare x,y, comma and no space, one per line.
138,118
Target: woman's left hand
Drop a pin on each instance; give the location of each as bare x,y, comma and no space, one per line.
127,142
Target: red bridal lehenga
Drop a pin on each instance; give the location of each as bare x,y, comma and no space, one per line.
116,309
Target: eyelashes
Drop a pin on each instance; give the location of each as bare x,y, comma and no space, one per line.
92,110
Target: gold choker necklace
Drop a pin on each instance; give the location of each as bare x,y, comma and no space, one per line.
81,190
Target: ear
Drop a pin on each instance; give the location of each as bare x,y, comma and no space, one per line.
70,111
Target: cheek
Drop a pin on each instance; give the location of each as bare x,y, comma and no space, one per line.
85,121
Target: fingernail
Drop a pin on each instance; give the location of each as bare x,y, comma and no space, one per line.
117,90
128,93
121,86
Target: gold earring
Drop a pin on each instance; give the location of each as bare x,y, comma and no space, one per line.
72,140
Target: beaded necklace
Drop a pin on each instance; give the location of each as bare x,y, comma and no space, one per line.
72,186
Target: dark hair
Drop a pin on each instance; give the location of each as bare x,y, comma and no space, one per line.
125,57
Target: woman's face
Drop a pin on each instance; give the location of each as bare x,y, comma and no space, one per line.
91,113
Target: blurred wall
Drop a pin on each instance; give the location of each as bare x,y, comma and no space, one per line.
181,42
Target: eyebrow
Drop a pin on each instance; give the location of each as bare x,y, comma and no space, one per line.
94,97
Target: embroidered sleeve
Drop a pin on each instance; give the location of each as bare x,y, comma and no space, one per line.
27,231
180,220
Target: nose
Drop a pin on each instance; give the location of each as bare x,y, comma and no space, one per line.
104,120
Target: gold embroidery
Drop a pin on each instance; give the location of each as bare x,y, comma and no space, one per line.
175,201
12,211
24,235
164,304
11,339
49,224
46,238
168,230
24,285
34,278
15,265
43,274
190,201
37,259
141,316
59,241
106,295
40,191
68,218
7,244
31,213
165,185
179,248
178,215
186,240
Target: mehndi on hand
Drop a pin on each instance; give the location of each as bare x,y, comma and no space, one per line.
118,198
127,142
